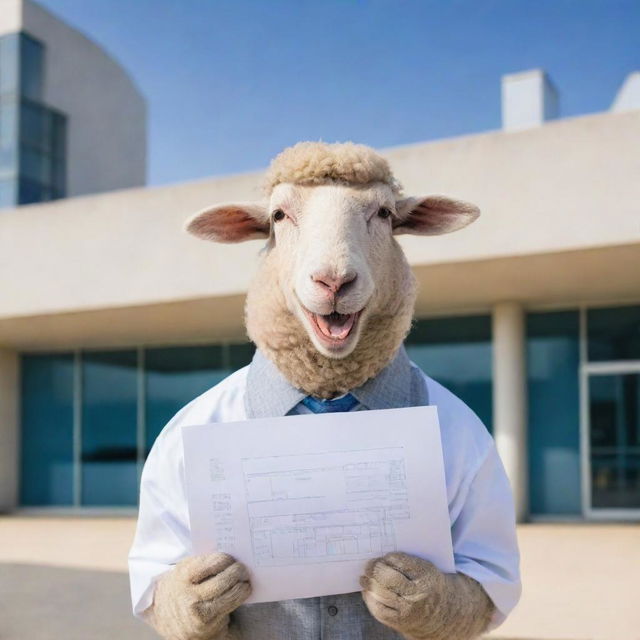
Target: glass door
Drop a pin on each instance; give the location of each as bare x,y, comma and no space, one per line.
613,442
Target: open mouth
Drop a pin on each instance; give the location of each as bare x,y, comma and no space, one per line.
333,329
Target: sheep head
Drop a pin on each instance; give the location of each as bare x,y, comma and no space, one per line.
333,275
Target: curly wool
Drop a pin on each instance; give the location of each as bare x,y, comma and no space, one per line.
279,334
312,163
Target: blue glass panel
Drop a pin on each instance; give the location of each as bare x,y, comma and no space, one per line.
35,166
614,412
7,193
9,48
58,135
42,153
59,178
554,412
457,353
109,428
35,126
31,67
29,191
613,333
173,377
8,124
47,430
240,355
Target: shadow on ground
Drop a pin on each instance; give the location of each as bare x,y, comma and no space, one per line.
50,603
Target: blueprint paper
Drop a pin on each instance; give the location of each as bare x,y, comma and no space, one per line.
304,501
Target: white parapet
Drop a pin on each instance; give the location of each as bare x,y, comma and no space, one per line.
628,97
510,399
528,99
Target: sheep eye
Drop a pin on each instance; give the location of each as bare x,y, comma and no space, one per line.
278,215
383,212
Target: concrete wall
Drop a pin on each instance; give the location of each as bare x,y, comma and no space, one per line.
560,203
9,458
10,16
106,113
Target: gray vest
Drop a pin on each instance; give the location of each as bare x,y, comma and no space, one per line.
339,617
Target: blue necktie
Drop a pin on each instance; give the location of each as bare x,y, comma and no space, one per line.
346,403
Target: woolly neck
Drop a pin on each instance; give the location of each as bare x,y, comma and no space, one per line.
281,337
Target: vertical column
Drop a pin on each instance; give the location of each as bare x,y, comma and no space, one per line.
9,395
510,399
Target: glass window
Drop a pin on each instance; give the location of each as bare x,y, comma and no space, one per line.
457,353
47,430
31,67
109,428
7,193
240,355
173,377
59,178
8,164
58,135
109,409
8,124
614,412
30,191
42,153
9,45
554,412
614,333
35,166
35,125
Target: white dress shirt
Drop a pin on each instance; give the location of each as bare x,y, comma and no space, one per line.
479,497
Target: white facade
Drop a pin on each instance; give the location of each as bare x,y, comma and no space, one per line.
559,230
106,113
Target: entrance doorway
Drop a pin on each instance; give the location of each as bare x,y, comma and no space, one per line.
613,441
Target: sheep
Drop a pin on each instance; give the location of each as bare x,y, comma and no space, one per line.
332,188
330,306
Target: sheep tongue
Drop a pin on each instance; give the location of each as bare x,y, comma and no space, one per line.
336,325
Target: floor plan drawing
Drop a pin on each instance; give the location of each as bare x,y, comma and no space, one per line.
328,508
305,501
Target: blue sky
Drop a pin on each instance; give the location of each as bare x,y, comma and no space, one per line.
231,82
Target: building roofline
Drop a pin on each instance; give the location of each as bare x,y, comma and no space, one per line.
93,43
385,151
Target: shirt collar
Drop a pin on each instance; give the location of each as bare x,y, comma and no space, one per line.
270,394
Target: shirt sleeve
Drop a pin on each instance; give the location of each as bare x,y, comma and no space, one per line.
162,535
484,539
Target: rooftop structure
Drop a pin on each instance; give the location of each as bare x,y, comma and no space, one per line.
72,121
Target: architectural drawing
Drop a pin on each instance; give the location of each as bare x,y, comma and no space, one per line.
325,507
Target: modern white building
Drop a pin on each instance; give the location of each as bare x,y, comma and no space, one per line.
72,121
112,318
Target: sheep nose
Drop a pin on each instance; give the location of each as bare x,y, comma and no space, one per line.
334,284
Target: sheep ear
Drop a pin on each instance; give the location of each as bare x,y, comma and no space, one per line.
433,215
230,222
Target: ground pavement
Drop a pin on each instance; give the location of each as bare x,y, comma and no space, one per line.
65,578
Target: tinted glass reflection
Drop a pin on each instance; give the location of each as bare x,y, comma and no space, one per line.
31,67
614,408
109,428
614,333
457,353
553,404
9,56
47,430
176,375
